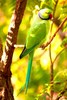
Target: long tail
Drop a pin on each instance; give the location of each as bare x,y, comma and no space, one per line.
25,86
29,69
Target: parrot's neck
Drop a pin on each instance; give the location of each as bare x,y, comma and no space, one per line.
36,19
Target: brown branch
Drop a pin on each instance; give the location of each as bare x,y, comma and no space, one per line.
12,33
6,59
60,26
51,65
45,45
61,94
51,72
50,55
49,42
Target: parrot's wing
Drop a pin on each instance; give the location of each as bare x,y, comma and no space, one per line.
26,51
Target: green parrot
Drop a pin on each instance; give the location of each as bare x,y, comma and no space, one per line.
35,37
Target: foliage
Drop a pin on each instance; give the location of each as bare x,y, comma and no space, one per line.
39,85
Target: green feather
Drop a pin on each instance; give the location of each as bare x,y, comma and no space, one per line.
26,51
25,86
29,69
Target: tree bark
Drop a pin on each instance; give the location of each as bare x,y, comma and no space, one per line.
6,89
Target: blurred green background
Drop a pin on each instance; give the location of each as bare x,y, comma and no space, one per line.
39,83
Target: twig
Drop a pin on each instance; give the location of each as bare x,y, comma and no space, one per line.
56,2
51,72
50,55
61,94
18,46
51,66
60,26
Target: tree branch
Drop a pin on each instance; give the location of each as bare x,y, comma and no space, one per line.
6,60
60,26
12,34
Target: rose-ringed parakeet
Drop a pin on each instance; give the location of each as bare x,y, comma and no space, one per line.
35,37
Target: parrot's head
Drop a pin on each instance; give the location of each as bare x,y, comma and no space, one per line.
45,14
